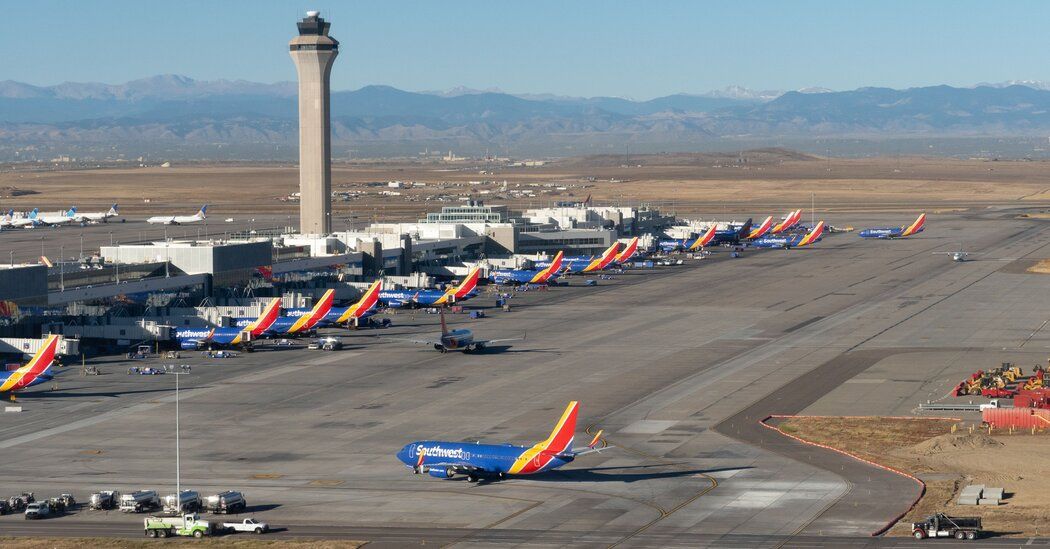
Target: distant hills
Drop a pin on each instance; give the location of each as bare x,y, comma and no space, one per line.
177,116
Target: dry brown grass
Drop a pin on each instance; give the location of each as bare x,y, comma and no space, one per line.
1043,267
81,543
708,185
1016,462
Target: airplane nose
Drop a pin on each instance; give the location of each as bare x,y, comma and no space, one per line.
403,454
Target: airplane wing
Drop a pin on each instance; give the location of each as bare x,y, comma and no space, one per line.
411,340
502,340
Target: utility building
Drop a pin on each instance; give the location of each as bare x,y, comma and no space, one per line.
314,52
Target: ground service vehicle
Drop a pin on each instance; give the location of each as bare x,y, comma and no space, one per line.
186,501
139,501
105,500
225,502
19,502
943,526
247,525
5,507
37,510
185,525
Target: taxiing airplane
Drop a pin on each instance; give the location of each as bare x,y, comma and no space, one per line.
98,217
789,221
363,308
896,232
179,219
475,460
790,240
528,276
206,338
431,298
67,216
37,370
456,340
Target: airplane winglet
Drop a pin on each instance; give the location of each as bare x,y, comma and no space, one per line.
597,438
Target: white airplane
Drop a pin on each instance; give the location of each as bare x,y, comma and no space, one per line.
28,222
959,255
98,217
67,216
179,219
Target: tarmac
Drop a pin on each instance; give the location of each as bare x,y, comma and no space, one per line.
676,364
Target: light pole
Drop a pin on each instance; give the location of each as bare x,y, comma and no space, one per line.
61,267
81,247
178,441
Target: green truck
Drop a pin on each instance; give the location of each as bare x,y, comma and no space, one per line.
186,525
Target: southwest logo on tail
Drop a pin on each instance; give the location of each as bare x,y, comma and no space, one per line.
789,221
263,323
37,370
475,460
365,305
896,232
813,235
762,229
628,251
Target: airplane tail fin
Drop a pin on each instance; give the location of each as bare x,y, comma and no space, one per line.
36,366
555,265
628,251
704,239
762,229
71,211
202,213
33,214
916,227
745,229
113,210
468,284
368,301
267,318
813,235
561,437
444,326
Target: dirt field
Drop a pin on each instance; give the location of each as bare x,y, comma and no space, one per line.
1043,267
948,462
753,182
80,543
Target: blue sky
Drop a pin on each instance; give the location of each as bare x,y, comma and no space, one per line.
640,49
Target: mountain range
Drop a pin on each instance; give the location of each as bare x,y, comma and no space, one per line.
185,118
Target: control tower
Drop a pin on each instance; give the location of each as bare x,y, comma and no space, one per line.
313,52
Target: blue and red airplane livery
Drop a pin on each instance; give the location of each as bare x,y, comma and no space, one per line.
37,370
790,240
528,276
587,264
197,338
896,232
362,308
431,298
443,459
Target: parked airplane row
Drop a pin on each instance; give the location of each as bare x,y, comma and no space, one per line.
34,218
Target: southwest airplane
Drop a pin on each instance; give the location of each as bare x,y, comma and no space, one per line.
67,216
475,460
528,276
179,219
896,232
430,298
363,308
790,240
197,338
591,264
37,370
669,246
98,217
789,221
628,252
456,340
304,323
733,234
762,229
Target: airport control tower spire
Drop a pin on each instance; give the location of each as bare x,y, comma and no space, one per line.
313,52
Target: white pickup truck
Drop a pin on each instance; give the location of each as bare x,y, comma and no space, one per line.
247,525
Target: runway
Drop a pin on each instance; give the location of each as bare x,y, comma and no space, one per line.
677,365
